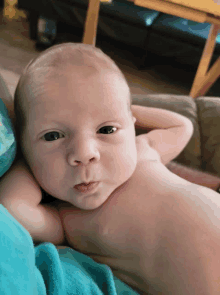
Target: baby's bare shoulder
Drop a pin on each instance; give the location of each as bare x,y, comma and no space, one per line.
144,151
150,171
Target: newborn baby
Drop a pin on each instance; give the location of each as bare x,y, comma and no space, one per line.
115,199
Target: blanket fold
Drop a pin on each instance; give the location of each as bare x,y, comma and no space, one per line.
46,270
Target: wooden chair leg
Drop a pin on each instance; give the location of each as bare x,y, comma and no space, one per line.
210,78
199,80
91,24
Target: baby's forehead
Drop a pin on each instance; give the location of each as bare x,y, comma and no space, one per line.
54,67
42,73
42,84
44,78
78,72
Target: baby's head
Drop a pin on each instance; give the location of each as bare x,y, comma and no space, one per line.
72,107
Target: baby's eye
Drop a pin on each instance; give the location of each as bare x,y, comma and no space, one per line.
108,129
51,136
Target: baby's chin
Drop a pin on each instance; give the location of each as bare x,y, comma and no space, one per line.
92,201
88,204
89,201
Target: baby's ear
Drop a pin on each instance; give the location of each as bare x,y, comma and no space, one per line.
134,119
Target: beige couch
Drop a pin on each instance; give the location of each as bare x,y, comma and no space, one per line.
203,150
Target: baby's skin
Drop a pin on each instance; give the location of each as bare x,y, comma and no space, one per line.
159,233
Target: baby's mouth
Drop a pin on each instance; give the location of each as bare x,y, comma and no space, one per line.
86,187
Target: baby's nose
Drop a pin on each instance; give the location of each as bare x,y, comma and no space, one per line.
83,154
85,162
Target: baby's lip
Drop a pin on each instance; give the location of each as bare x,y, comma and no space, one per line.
85,182
90,187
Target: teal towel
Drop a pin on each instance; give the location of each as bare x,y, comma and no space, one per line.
8,144
41,270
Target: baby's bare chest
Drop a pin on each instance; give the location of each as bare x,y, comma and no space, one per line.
130,211
129,214
124,232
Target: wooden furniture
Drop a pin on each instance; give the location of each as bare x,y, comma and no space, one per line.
198,11
195,10
10,10
91,24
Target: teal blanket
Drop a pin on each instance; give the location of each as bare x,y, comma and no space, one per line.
41,270
8,143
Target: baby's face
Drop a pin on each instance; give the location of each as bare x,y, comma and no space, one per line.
79,130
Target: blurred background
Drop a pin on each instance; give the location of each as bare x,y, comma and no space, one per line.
17,49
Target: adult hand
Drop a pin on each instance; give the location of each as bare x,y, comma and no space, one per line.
195,176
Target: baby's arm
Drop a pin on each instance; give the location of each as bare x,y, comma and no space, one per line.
171,131
21,196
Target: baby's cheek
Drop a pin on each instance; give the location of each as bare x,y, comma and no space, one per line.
55,177
128,161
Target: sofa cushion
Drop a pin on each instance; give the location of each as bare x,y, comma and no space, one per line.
180,28
186,106
123,32
107,26
180,39
209,122
7,140
126,10
119,19
62,10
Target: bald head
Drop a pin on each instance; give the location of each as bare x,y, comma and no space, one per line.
81,59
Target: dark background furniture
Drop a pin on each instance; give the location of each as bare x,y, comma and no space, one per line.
120,20
149,32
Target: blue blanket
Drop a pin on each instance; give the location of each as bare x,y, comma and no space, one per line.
29,270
